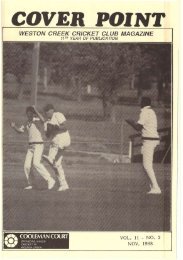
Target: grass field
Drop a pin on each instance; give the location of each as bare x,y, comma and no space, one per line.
102,197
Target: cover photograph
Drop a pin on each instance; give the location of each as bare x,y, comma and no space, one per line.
89,128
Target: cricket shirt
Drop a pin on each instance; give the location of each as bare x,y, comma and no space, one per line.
148,120
34,134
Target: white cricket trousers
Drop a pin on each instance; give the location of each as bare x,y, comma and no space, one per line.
33,157
148,153
55,154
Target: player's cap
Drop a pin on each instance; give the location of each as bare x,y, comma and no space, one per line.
145,101
30,109
48,107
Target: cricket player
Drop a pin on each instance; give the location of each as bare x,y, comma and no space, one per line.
35,149
56,130
147,123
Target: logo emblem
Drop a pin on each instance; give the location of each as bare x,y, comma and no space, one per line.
11,240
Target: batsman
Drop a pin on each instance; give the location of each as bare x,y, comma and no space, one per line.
56,131
147,124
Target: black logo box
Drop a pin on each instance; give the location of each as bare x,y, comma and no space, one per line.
36,240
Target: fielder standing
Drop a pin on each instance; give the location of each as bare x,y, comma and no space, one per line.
56,130
147,123
35,149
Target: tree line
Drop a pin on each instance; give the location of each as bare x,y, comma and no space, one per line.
107,65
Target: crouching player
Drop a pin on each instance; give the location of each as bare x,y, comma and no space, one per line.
56,131
35,149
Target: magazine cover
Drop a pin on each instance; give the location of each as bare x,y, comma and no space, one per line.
89,146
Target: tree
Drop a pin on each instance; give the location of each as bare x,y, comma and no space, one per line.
106,64
17,61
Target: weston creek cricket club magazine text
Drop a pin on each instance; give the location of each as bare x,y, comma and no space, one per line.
90,128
